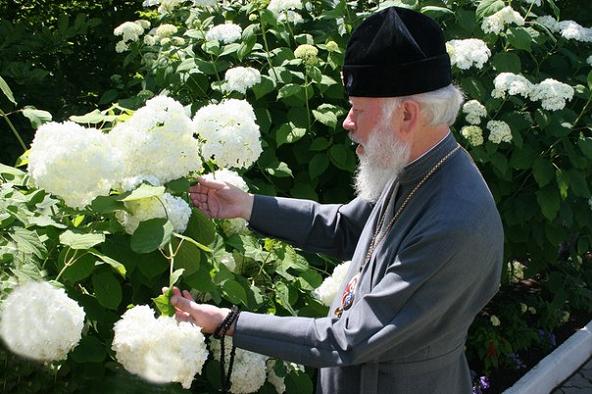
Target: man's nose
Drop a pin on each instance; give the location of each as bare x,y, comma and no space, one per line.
348,122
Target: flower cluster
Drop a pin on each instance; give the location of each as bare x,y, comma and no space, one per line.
165,30
465,54
499,131
512,84
249,369
85,155
241,78
157,140
166,206
589,60
156,143
497,22
473,134
237,225
308,53
230,132
327,291
474,111
552,94
160,350
284,10
130,32
570,30
226,33
41,322
278,382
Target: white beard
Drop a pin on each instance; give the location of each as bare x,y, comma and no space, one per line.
383,159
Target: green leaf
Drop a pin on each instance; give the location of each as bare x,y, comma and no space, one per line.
585,144
151,235
288,133
299,382
264,87
523,159
435,11
36,116
319,144
590,80
282,296
519,38
78,240
280,170
506,62
318,165
107,289
549,201
144,191
543,171
290,90
93,117
81,269
577,181
234,292
188,256
175,276
326,117
163,303
200,228
28,242
488,7
116,265
6,90
89,350
106,204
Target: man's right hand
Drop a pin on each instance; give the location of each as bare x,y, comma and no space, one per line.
221,200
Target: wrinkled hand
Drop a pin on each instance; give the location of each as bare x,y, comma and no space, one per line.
208,317
221,200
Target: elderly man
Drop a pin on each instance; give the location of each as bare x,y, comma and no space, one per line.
424,235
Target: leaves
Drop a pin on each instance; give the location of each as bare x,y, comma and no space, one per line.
163,303
107,289
151,235
36,116
81,240
144,191
288,133
488,7
6,90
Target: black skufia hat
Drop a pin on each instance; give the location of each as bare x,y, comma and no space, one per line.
396,52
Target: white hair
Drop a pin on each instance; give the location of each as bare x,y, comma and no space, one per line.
438,106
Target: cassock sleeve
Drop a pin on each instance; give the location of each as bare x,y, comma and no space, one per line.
332,229
427,279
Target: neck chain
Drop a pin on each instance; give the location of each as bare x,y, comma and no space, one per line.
378,238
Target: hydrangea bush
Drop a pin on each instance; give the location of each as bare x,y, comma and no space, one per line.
249,92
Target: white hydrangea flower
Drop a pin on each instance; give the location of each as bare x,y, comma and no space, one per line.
473,134
535,2
512,84
241,79
167,6
85,155
233,226
465,54
177,211
571,30
130,31
249,369
144,23
150,3
160,350
499,131
121,47
157,140
497,22
165,30
130,183
205,3
39,321
279,382
495,321
549,22
178,41
552,94
237,225
517,270
226,32
231,134
327,291
279,6
474,111
149,40
290,16
589,60
228,260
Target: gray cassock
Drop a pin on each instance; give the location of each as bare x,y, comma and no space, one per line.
436,269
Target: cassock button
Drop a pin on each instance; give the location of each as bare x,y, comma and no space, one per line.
338,312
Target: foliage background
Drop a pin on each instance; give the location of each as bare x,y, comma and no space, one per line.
541,181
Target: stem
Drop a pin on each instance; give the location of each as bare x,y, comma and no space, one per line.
306,98
172,258
583,111
267,57
14,131
67,264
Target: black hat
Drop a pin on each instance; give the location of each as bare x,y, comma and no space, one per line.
396,52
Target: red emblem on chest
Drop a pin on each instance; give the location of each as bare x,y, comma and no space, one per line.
348,296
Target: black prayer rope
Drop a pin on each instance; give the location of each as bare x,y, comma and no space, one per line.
220,333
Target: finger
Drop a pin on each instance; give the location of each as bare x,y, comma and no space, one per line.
210,183
176,292
182,316
165,289
188,295
183,304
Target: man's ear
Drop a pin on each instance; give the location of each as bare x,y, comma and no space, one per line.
408,116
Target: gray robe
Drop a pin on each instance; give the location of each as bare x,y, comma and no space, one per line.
436,269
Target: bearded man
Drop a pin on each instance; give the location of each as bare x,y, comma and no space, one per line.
424,235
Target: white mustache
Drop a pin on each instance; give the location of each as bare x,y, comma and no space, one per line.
353,138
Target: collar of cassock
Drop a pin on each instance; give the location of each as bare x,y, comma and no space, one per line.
418,168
